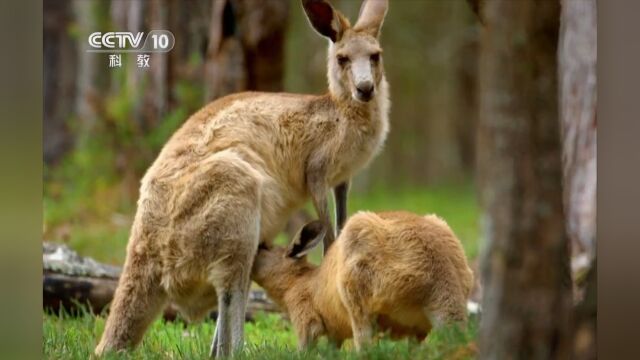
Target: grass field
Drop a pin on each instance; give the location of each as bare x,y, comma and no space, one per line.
269,336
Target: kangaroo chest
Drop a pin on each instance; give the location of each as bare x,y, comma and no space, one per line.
359,142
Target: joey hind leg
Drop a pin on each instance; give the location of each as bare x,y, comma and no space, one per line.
308,332
139,298
362,320
447,307
362,326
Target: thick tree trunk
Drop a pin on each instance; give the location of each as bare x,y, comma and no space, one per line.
578,96
525,262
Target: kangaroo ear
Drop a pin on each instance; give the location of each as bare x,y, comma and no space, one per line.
324,19
307,238
372,13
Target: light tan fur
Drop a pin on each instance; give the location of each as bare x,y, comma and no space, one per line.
229,178
402,271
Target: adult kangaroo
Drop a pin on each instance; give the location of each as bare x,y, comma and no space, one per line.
232,175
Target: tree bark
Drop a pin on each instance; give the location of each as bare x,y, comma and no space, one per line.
578,96
91,82
525,262
59,78
246,46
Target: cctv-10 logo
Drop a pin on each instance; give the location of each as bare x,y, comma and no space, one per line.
122,41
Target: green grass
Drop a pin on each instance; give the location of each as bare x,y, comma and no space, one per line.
268,337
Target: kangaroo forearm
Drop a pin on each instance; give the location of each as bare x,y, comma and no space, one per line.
340,193
319,199
317,186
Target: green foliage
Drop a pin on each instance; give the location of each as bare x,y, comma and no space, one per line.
268,337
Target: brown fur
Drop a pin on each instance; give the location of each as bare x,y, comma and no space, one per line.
398,269
228,179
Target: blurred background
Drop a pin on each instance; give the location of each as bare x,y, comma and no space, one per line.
104,126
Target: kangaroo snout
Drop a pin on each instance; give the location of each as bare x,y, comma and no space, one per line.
364,91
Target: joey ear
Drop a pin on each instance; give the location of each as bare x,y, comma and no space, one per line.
324,19
372,13
307,238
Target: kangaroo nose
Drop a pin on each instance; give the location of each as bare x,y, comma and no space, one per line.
365,90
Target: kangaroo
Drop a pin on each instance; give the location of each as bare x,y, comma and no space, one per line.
230,177
403,271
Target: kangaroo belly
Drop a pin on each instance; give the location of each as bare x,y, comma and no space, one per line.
195,301
405,323
276,206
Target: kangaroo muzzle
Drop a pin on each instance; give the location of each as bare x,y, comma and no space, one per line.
363,81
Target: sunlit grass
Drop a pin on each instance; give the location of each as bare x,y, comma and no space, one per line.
268,337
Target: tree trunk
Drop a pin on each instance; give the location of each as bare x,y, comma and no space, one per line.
525,261
246,46
585,319
91,82
189,21
578,95
59,78
156,97
466,78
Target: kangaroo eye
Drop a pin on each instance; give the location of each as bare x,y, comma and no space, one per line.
343,60
375,57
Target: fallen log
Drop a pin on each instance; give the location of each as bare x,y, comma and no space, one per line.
77,284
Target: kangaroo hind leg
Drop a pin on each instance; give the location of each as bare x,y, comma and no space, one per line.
233,230
137,301
231,278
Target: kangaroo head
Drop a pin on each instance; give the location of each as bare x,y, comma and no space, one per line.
355,56
277,268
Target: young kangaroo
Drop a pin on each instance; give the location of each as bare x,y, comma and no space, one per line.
230,177
403,271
